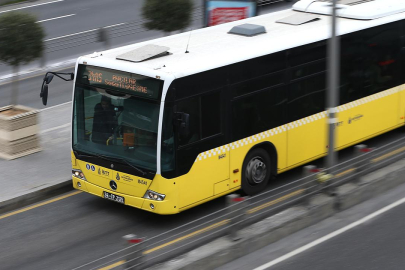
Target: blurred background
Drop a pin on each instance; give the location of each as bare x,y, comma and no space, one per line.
73,28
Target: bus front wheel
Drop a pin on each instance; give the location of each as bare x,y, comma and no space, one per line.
256,171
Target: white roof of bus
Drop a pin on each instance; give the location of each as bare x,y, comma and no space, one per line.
213,47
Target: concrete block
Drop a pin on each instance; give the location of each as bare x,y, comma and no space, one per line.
349,195
321,206
18,131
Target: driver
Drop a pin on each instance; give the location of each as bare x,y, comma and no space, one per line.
104,121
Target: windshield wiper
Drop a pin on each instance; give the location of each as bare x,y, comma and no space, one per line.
83,155
125,161
111,159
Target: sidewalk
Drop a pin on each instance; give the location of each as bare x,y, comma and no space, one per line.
41,175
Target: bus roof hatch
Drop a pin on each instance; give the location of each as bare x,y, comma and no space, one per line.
144,53
299,18
248,30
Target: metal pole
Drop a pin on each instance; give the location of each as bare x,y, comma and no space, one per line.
236,206
308,170
333,83
135,257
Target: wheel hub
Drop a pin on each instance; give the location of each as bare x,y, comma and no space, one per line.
256,171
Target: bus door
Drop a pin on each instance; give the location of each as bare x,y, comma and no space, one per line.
307,119
202,158
306,103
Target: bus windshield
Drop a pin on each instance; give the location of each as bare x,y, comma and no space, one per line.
116,124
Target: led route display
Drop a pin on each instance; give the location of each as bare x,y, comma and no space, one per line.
122,81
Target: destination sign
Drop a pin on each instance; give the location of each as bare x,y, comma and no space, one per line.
122,81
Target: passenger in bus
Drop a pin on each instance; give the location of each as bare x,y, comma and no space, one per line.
104,121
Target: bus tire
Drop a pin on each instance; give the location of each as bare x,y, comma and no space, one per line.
256,171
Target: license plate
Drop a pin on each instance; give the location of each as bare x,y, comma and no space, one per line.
113,197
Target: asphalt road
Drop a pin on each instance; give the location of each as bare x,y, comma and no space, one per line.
373,245
81,228
76,230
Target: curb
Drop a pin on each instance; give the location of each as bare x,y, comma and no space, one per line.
276,227
36,196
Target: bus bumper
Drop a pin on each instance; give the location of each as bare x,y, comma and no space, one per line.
165,207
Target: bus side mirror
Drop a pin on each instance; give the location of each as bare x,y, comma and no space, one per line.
48,78
44,94
182,122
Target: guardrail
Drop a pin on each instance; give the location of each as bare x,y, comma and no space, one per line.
243,211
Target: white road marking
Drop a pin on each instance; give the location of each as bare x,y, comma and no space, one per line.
55,128
329,236
32,6
55,106
56,18
87,31
118,24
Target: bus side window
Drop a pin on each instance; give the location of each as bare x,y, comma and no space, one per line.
308,80
307,54
382,65
369,62
211,114
191,106
306,97
352,60
256,67
258,112
257,84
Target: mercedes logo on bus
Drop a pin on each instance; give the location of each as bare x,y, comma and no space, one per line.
113,185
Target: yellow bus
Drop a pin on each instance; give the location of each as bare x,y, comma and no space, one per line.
171,123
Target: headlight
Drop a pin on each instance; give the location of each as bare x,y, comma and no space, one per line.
79,174
152,195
